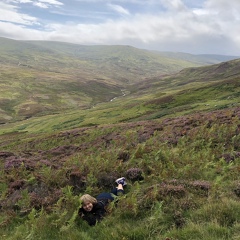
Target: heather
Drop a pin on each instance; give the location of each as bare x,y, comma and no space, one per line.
182,174
78,117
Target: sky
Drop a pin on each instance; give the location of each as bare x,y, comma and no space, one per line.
191,26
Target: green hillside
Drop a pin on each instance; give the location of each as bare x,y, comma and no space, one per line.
175,137
118,63
182,175
38,78
204,58
192,90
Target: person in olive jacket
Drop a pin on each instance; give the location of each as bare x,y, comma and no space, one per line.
93,209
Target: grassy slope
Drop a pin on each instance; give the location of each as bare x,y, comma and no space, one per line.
38,78
192,90
182,173
181,162
204,58
115,62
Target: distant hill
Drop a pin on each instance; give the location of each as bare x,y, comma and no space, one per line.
118,64
203,59
196,76
39,78
190,91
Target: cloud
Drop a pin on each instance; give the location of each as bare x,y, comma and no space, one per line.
14,31
176,5
51,2
41,5
18,1
226,16
212,26
9,13
118,1
47,3
38,3
24,1
119,9
187,30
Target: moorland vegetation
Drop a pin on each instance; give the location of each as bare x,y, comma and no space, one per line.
175,137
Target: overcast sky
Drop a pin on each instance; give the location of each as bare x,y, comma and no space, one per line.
193,26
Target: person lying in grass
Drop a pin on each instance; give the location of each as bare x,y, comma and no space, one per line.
93,209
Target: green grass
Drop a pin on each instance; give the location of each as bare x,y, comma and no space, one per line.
188,190
183,139
220,95
39,78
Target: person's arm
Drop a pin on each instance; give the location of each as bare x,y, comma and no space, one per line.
99,211
94,216
87,216
90,218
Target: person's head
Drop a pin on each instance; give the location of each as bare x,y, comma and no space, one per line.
87,202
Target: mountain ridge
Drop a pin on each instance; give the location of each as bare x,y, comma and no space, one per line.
169,96
95,74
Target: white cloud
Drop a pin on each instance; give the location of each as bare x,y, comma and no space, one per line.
199,11
47,3
118,1
177,5
51,2
24,1
9,13
119,9
222,4
212,28
191,30
14,31
18,1
145,28
41,5
225,14
38,3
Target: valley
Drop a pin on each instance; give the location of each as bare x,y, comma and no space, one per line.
75,118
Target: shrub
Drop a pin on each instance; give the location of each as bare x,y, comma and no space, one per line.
134,174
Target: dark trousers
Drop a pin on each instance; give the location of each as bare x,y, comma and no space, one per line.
109,196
